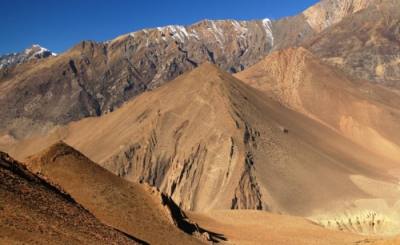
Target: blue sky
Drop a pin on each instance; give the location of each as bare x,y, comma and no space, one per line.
59,24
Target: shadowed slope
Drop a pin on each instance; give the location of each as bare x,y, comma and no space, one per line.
34,211
135,209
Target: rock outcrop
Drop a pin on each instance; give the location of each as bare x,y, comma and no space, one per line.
329,12
364,45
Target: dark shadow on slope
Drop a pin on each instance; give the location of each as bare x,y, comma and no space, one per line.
183,223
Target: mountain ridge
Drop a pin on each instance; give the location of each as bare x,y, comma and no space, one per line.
95,78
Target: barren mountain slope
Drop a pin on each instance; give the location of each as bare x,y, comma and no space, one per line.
94,78
211,142
295,30
365,113
366,44
136,209
35,212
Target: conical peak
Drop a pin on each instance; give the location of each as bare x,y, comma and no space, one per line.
57,149
204,74
208,67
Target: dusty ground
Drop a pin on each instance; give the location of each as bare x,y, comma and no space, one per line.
255,227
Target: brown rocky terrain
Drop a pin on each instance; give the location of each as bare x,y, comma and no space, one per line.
310,131
136,209
94,78
365,44
295,30
207,129
365,113
329,12
35,212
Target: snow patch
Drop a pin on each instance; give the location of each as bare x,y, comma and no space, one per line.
217,32
178,33
267,24
193,33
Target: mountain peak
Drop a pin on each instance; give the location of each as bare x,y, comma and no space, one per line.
208,67
38,51
57,149
34,52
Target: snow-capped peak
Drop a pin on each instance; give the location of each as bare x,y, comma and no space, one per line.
36,49
33,52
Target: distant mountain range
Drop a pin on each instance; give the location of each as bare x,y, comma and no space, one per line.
95,78
34,52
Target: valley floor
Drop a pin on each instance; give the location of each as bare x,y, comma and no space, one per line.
257,227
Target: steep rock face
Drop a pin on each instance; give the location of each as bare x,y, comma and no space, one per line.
329,12
291,31
34,211
211,142
365,113
295,30
364,45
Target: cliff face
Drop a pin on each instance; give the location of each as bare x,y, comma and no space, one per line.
329,12
364,45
